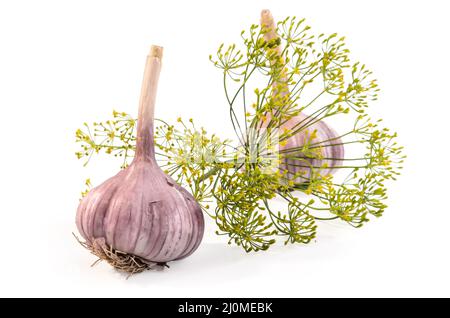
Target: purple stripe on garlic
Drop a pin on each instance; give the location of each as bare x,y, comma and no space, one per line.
142,211
331,149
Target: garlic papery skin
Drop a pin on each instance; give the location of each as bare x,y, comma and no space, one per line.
141,211
324,145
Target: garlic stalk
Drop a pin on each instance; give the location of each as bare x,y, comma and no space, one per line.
302,128
141,216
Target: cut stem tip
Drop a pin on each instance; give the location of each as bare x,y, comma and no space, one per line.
156,51
266,18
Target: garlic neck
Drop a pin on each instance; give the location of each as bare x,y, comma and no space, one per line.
145,144
280,88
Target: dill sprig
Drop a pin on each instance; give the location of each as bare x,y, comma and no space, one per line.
303,73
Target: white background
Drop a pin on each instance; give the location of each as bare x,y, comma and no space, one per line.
66,62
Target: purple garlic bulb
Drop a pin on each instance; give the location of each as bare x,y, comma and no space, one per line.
142,212
325,149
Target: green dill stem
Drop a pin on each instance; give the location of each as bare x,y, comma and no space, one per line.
309,206
272,215
214,170
326,219
245,107
231,102
210,173
310,120
339,167
232,113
